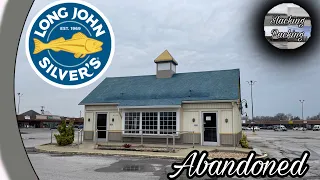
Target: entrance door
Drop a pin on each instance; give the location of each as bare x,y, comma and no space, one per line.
210,129
102,125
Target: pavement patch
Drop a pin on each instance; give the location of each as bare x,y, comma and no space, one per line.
139,166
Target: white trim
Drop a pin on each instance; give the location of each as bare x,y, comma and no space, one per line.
143,107
160,106
158,124
96,123
123,125
140,123
210,101
202,129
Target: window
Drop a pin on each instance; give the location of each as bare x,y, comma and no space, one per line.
164,66
168,122
153,123
173,67
150,122
132,122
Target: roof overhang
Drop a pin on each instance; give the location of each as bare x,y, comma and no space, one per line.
149,107
97,104
210,101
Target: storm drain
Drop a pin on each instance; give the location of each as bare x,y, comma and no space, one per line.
130,167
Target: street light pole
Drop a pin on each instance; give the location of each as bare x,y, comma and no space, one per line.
302,101
251,83
19,96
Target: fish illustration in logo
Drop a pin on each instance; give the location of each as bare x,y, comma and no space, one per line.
80,45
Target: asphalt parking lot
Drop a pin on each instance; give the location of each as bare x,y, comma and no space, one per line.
278,145
290,144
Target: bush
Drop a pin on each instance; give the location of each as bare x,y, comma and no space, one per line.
66,134
244,141
127,145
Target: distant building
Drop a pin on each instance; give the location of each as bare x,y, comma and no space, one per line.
34,119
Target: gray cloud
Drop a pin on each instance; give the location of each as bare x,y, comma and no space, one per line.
210,35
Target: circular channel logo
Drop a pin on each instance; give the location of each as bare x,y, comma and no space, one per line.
287,26
70,44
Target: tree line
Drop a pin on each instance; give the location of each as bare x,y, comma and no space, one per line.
282,116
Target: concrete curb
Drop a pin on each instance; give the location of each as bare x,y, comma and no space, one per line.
110,154
167,156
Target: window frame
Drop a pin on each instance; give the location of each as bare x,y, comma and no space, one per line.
158,122
165,66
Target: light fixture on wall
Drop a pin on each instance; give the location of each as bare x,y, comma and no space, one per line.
112,119
89,119
226,120
243,101
193,120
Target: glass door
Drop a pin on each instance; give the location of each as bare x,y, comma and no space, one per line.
210,129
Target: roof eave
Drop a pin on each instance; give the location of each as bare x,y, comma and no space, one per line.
86,104
210,101
155,106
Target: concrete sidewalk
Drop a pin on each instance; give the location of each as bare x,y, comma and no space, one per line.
88,148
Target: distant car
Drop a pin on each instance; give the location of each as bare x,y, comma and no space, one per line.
245,128
295,128
316,128
80,127
302,129
280,128
270,127
256,128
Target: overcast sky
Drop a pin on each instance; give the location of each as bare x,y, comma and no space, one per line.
205,36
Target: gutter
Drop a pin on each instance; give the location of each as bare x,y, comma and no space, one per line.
210,101
96,104
137,107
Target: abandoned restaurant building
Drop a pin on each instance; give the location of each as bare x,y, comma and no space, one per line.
196,107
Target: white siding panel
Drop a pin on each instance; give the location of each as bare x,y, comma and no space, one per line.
225,128
117,124
237,119
207,106
101,108
89,126
188,125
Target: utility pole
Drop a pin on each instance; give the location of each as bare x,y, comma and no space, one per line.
302,101
19,96
80,113
251,83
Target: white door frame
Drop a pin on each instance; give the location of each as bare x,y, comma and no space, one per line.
204,143
97,113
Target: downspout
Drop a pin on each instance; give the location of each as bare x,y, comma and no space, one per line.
119,113
233,134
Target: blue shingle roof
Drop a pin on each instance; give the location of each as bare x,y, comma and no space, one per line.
151,91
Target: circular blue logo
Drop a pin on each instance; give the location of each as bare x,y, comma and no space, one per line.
70,44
